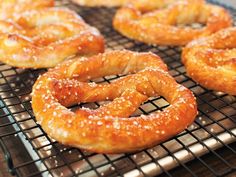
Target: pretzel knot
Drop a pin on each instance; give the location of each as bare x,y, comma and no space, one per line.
12,8
166,26
108,128
211,61
45,37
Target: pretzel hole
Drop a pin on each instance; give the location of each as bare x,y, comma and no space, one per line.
195,25
107,79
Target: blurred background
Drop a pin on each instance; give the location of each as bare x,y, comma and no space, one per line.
230,2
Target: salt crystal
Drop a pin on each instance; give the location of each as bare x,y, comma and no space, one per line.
99,123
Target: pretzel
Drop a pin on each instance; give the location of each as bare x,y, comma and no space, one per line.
108,128
12,8
211,61
163,27
43,38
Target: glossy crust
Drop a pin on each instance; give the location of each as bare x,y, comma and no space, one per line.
12,8
211,61
107,3
43,38
163,27
108,128
143,5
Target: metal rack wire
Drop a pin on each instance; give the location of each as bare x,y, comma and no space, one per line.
30,152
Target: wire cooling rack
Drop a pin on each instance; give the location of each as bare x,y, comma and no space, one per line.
207,147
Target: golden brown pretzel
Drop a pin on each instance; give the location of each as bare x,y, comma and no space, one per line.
161,26
211,61
43,38
12,8
108,128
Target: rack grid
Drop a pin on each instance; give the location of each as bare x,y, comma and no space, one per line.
207,147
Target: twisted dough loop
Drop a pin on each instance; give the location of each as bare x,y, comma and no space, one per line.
161,26
143,5
107,3
108,128
211,61
46,37
12,8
